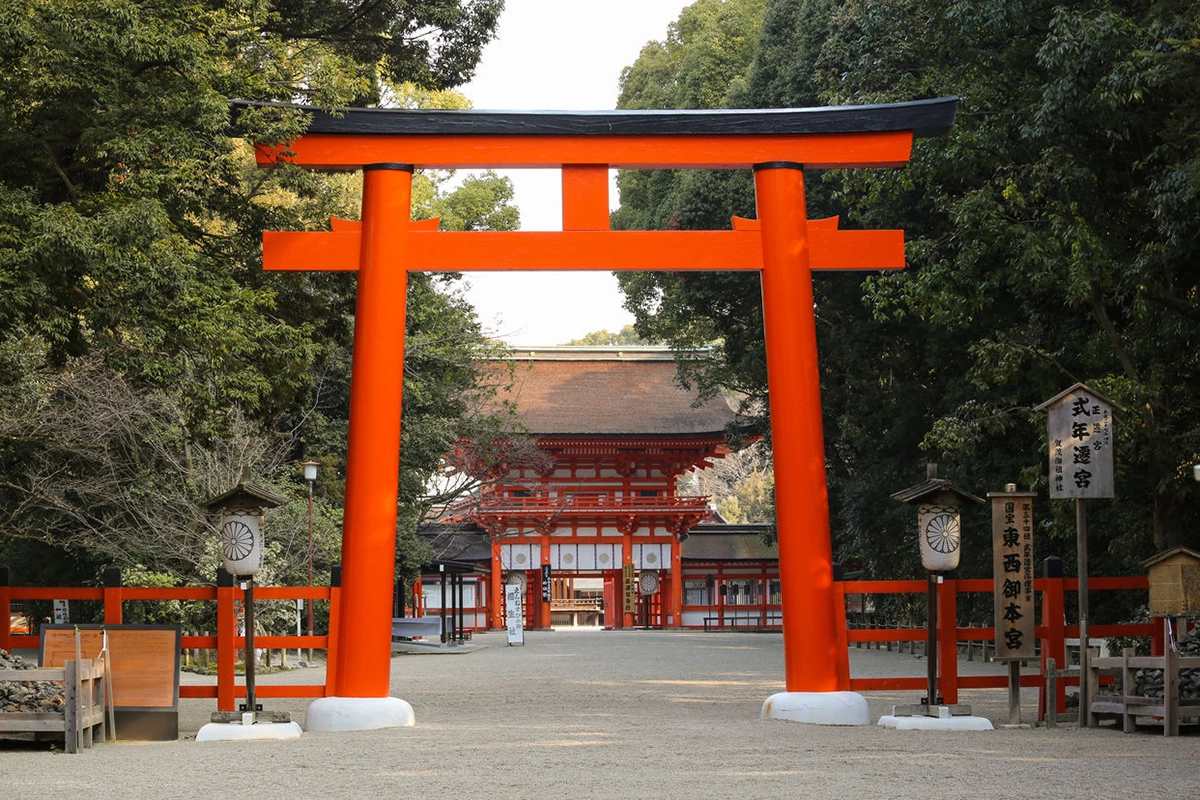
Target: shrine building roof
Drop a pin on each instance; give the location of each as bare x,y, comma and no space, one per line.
600,391
725,542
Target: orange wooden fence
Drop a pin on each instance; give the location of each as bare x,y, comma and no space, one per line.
226,642
1053,632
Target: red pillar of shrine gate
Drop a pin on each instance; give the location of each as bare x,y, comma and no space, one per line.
376,391
814,643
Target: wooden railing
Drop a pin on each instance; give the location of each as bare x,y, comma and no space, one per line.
226,642
577,604
1053,633
588,502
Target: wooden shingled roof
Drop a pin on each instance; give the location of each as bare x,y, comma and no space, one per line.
600,391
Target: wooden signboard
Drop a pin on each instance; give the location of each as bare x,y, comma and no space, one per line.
1080,429
144,673
629,584
1012,560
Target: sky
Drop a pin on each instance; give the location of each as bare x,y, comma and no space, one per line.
557,55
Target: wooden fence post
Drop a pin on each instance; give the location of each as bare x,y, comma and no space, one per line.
226,633
332,640
947,598
1049,669
113,595
839,609
5,599
1053,641
1170,681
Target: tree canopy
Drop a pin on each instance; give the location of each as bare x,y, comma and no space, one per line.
138,333
1051,239
627,336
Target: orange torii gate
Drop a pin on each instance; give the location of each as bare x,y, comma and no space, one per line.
782,244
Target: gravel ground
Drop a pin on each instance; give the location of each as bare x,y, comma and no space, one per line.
631,714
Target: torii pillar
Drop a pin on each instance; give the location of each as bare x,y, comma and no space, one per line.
782,244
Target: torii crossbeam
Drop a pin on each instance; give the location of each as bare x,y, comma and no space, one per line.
782,244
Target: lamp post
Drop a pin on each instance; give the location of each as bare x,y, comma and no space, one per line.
240,528
310,475
940,533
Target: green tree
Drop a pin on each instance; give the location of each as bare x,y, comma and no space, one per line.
1050,240
741,485
131,213
627,336
1056,231
714,320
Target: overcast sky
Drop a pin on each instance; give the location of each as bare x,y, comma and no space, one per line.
557,55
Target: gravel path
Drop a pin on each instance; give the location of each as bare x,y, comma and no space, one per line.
631,714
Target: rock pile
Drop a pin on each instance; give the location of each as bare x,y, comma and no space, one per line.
1149,682
27,695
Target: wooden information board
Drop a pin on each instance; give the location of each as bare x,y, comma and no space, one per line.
144,672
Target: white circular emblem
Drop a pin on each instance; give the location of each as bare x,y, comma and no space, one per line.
942,533
237,540
648,581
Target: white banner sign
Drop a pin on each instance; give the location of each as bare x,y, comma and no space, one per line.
513,612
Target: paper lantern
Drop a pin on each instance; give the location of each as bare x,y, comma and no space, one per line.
241,536
939,525
240,526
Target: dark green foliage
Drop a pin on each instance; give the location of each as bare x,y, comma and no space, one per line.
1052,238
131,214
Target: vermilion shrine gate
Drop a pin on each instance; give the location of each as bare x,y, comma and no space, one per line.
782,244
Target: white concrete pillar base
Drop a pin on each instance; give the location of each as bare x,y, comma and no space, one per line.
818,708
926,723
358,714
234,731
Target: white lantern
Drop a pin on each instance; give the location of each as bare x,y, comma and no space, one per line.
648,581
939,523
241,538
240,526
940,532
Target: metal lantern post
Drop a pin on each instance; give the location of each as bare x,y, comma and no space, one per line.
241,532
939,525
310,475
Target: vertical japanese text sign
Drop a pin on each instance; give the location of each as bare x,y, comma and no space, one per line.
514,613
629,584
1012,566
1081,444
